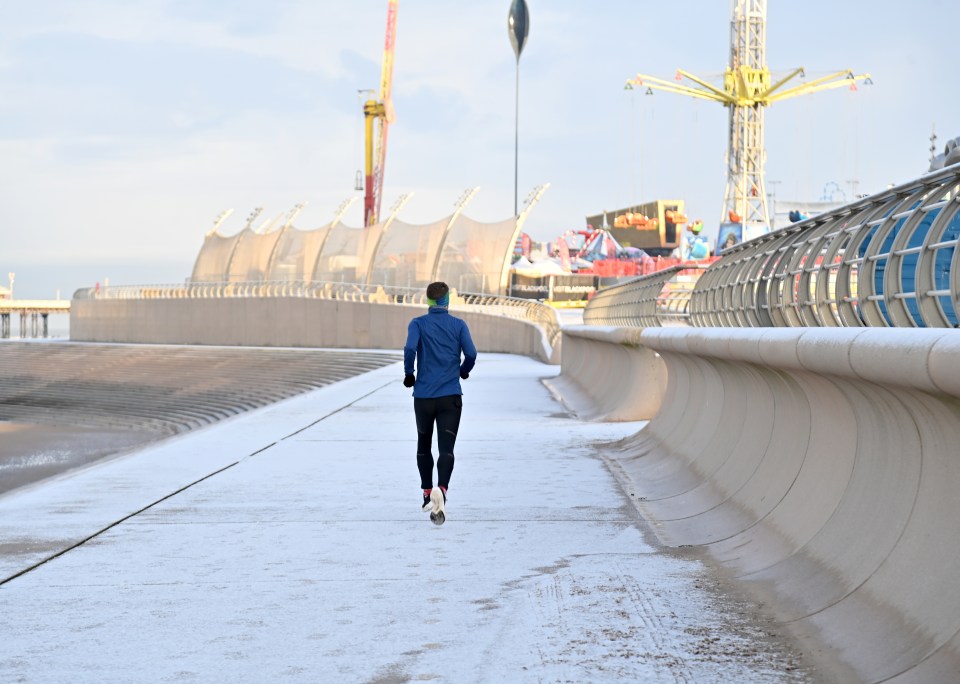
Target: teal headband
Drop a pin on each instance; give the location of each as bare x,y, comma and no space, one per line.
443,301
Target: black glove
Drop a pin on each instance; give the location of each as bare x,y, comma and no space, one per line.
464,375
408,380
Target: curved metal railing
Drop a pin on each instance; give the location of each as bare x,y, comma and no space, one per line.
889,260
658,299
535,312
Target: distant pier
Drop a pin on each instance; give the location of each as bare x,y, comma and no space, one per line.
36,311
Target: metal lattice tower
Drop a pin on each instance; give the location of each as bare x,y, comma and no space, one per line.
745,194
747,91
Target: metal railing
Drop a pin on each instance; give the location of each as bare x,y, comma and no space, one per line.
510,307
658,299
889,260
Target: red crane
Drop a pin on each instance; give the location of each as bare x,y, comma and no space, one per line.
381,111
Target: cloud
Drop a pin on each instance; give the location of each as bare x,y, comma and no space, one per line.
126,127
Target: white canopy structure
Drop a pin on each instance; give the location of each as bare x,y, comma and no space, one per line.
466,254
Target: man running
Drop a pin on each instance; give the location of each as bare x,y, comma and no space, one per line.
436,341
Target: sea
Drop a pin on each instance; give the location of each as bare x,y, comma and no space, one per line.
58,327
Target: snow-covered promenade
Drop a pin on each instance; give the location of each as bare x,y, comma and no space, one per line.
287,544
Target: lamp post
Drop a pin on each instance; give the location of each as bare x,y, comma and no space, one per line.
12,277
518,27
773,201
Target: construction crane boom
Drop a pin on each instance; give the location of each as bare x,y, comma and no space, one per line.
746,92
381,111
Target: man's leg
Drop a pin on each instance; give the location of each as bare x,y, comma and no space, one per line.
425,411
448,422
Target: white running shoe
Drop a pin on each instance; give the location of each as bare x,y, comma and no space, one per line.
437,501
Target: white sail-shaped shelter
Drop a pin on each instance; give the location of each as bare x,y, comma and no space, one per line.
469,255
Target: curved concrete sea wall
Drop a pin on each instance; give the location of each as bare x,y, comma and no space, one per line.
607,374
284,322
822,467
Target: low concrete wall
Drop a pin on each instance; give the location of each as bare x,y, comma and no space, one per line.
822,466
284,322
608,375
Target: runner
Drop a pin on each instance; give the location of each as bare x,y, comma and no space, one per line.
436,341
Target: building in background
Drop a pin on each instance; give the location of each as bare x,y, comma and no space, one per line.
655,227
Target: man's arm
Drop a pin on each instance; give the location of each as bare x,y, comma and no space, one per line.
469,351
410,348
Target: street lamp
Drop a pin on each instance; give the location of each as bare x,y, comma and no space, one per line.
12,277
518,27
773,201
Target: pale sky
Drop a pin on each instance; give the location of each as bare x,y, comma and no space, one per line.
126,126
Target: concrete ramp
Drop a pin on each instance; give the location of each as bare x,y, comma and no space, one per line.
66,405
822,467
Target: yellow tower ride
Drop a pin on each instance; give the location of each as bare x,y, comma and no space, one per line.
747,90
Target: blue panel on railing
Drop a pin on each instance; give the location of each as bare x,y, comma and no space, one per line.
908,269
941,268
881,265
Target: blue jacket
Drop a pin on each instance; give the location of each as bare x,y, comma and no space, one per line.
436,341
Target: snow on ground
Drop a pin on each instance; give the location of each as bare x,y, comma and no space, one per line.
300,554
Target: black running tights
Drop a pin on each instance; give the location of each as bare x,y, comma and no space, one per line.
445,412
